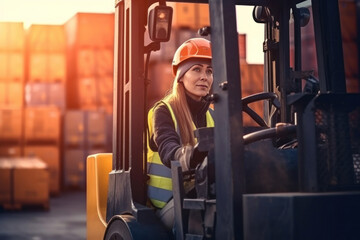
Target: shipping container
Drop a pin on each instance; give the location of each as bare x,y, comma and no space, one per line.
74,168
85,129
47,67
95,129
12,67
74,128
11,125
46,38
45,94
90,30
42,124
50,154
12,36
11,94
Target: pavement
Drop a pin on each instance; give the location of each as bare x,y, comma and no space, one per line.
65,220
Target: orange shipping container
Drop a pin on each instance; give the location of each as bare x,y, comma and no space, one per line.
104,61
12,66
42,124
11,124
183,15
11,94
88,93
90,30
46,38
12,36
202,13
47,67
85,62
51,156
31,181
5,179
105,92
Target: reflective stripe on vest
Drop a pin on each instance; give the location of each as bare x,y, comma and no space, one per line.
160,183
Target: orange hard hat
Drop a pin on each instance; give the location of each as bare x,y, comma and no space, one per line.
192,48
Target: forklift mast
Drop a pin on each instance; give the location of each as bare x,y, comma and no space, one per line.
127,180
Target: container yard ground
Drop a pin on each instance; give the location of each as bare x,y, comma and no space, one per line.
65,220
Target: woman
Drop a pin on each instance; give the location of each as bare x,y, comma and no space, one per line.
173,120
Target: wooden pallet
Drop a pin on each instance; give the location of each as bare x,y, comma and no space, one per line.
22,206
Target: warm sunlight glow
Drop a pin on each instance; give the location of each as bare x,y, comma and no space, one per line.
49,11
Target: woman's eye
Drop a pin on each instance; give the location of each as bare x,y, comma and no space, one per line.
209,71
197,69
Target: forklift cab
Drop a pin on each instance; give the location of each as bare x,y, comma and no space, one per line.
304,157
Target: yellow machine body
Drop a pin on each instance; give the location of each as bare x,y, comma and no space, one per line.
98,169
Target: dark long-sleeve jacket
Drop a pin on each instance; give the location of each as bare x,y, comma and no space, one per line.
165,139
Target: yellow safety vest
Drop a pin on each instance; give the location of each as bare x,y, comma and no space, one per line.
160,183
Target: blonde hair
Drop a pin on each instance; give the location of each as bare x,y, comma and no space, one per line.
177,100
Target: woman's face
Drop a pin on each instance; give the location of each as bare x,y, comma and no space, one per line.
198,80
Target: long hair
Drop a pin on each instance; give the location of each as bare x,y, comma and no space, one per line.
177,100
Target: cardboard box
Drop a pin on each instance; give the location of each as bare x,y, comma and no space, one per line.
10,150
51,156
31,181
5,179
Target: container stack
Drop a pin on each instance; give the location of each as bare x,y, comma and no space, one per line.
85,133
45,97
90,44
12,74
46,73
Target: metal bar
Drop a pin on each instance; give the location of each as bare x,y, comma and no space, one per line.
358,40
135,124
284,60
118,73
329,46
228,118
297,46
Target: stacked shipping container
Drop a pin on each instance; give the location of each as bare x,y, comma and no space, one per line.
45,97
12,70
90,44
84,134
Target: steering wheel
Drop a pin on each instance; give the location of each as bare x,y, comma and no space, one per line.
259,97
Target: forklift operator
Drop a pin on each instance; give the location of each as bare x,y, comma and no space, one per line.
172,122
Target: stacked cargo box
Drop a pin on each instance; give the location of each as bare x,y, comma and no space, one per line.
12,59
85,133
42,139
45,97
90,44
46,68
24,181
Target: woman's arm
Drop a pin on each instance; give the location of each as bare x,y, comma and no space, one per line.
165,136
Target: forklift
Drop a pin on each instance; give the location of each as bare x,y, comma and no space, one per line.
294,176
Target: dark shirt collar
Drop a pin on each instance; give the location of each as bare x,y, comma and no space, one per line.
197,108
